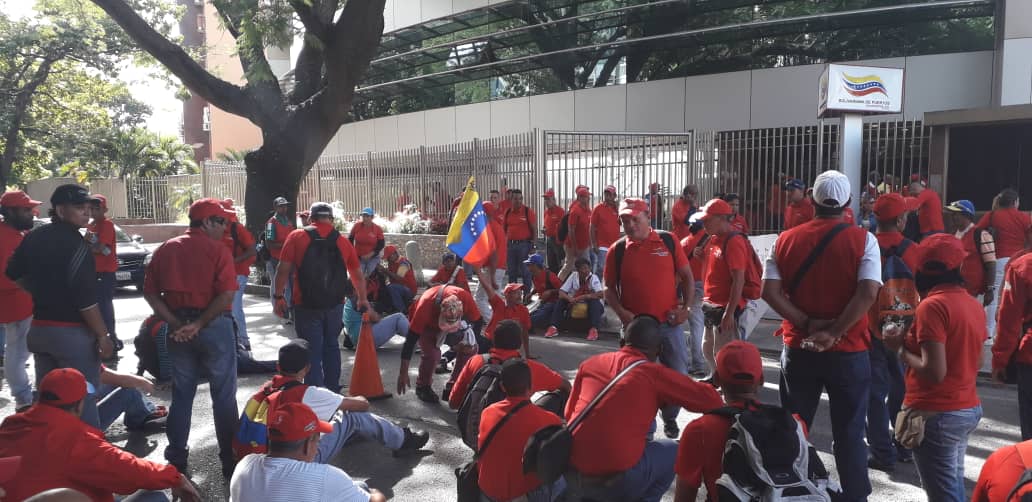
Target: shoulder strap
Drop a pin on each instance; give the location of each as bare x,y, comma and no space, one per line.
312,233
233,234
902,247
1025,453
814,254
618,251
587,409
668,240
494,430
440,294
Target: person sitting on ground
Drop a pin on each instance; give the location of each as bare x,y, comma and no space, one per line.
501,475
617,437
384,326
401,279
290,471
585,288
122,393
66,452
349,416
506,346
546,286
509,305
450,273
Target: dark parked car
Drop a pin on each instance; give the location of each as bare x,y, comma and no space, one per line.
132,257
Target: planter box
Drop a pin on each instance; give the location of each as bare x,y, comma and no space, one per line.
431,247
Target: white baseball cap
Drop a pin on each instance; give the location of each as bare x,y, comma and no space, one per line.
831,189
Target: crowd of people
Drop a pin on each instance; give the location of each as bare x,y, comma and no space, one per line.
886,312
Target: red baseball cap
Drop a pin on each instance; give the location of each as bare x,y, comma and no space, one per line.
388,251
63,386
100,199
716,207
739,363
610,189
583,190
207,207
294,422
939,253
227,203
889,206
633,207
549,193
514,286
17,198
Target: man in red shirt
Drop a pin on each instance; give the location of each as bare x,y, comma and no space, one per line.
655,201
402,287
58,450
979,268
1013,343
553,246
738,222
799,209
100,234
604,230
1012,231
616,438
196,306
15,303
501,475
578,240
280,224
494,268
520,224
241,245
929,209
824,307
684,207
442,315
450,273
508,305
546,286
367,238
727,258
320,319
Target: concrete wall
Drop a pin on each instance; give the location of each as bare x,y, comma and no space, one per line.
1014,62
773,97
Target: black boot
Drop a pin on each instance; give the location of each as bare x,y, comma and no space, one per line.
414,440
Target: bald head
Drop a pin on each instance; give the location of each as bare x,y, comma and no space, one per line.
643,334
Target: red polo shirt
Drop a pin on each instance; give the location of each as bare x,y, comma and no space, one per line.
542,378
679,214
546,280
888,240
1012,226
276,230
59,450
797,213
407,274
105,231
1015,312
426,312
15,302
501,466
738,224
606,223
612,438
553,215
720,264
365,237
243,243
688,245
1000,474
443,275
517,223
579,222
950,316
297,243
502,311
929,212
210,269
648,276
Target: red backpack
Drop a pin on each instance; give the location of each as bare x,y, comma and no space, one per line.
753,272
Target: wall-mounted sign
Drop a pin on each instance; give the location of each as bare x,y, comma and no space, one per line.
860,89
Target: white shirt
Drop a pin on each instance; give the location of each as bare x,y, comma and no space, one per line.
870,264
323,402
273,479
573,284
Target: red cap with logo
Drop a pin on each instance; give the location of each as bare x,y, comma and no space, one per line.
205,208
940,253
889,206
633,207
389,251
739,363
610,189
716,207
583,190
63,386
100,199
17,198
549,193
294,422
514,286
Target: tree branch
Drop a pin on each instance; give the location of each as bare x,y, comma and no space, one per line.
311,20
353,42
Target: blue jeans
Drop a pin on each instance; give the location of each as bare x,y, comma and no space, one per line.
238,313
598,260
288,292
106,299
886,399
650,478
518,252
543,493
387,328
400,296
212,352
16,354
542,316
846,376
697,331
321,327
562,310
114,401
348,425
940,456
674,355
369,265
56,347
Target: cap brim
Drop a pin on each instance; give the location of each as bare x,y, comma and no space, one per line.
323,427
631,212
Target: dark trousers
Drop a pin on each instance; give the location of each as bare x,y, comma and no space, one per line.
106,299
887,388
321,328
846,377
554,254
401,296
562,311
1025,399
518,252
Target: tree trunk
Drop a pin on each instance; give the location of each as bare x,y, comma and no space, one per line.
21,109
274,170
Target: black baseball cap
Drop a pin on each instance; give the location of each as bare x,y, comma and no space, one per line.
70,194
293,357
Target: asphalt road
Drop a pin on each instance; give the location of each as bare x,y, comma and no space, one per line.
428,476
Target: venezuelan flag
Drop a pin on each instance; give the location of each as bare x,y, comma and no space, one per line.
469,236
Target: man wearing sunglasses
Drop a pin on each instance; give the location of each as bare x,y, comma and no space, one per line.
190,284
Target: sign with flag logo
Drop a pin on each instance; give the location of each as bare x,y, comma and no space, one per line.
860,89
469,235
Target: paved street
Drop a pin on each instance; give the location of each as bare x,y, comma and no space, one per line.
428,476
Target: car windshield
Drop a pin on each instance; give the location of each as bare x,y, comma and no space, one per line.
121,236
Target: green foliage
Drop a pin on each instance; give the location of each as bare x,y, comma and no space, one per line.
133,152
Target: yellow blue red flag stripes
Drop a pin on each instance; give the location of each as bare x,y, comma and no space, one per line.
469,236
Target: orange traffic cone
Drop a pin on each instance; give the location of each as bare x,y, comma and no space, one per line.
365,374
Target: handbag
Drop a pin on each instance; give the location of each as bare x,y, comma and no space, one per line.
579,310
467,477
910,426
547,453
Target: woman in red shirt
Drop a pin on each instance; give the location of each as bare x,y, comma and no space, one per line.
367,237
943,354
1011,230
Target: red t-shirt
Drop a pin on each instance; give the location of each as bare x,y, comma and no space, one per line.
365,237
612,438
1012,226
1000,474
244,242
297,243
553,216
443,275
105,231
679,214
797,213
210,269
848,216
517,223
502,311
542,378
606,223
501,466
1014,313
887,240
426,312
15,302
648,276
406,273
579,223
950,316
546,280
738,224
276,231
688,244
719,264
929,212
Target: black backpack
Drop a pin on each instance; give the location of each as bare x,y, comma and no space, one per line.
146,347
322,277
620,247
564,227
484,390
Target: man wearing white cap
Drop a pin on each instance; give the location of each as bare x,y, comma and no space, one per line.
822,277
